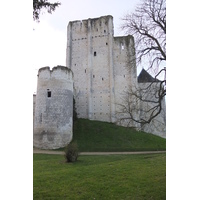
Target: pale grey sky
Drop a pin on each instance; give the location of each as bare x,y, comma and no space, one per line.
50,35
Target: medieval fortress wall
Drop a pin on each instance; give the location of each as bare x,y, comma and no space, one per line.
103,69
101,66
53,108
158,125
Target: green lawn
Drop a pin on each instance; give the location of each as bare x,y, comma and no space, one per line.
114,177
107,137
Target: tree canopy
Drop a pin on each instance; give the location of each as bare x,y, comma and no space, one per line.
38,5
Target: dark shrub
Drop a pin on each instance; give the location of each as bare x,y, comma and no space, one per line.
71,152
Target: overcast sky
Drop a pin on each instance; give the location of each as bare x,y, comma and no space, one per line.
50,35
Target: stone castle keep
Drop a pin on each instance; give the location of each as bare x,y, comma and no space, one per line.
99,71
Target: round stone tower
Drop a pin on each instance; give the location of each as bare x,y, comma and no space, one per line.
53,118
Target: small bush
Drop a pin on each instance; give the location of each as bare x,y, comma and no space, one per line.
71,152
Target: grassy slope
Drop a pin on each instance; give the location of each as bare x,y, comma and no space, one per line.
103,136
100,177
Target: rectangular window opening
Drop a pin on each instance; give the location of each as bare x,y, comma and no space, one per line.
95,53
48,93
41,118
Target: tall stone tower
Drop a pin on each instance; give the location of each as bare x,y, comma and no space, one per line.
100,63
104,73
53,116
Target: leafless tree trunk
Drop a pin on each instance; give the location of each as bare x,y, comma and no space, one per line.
147,24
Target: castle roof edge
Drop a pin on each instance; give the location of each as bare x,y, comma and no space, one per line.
96,18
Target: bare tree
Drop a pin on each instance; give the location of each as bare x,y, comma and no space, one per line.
147,24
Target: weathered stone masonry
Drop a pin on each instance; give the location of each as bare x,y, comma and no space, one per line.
99,62
103,71
53,108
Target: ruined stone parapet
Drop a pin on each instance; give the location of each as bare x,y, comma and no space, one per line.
53,108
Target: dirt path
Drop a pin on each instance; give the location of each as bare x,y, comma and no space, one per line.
96,153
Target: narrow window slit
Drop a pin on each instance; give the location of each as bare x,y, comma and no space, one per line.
41,118
48,93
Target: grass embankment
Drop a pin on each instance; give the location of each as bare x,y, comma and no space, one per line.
100,177
108,137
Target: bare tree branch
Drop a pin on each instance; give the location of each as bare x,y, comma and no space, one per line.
38,5
147,24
